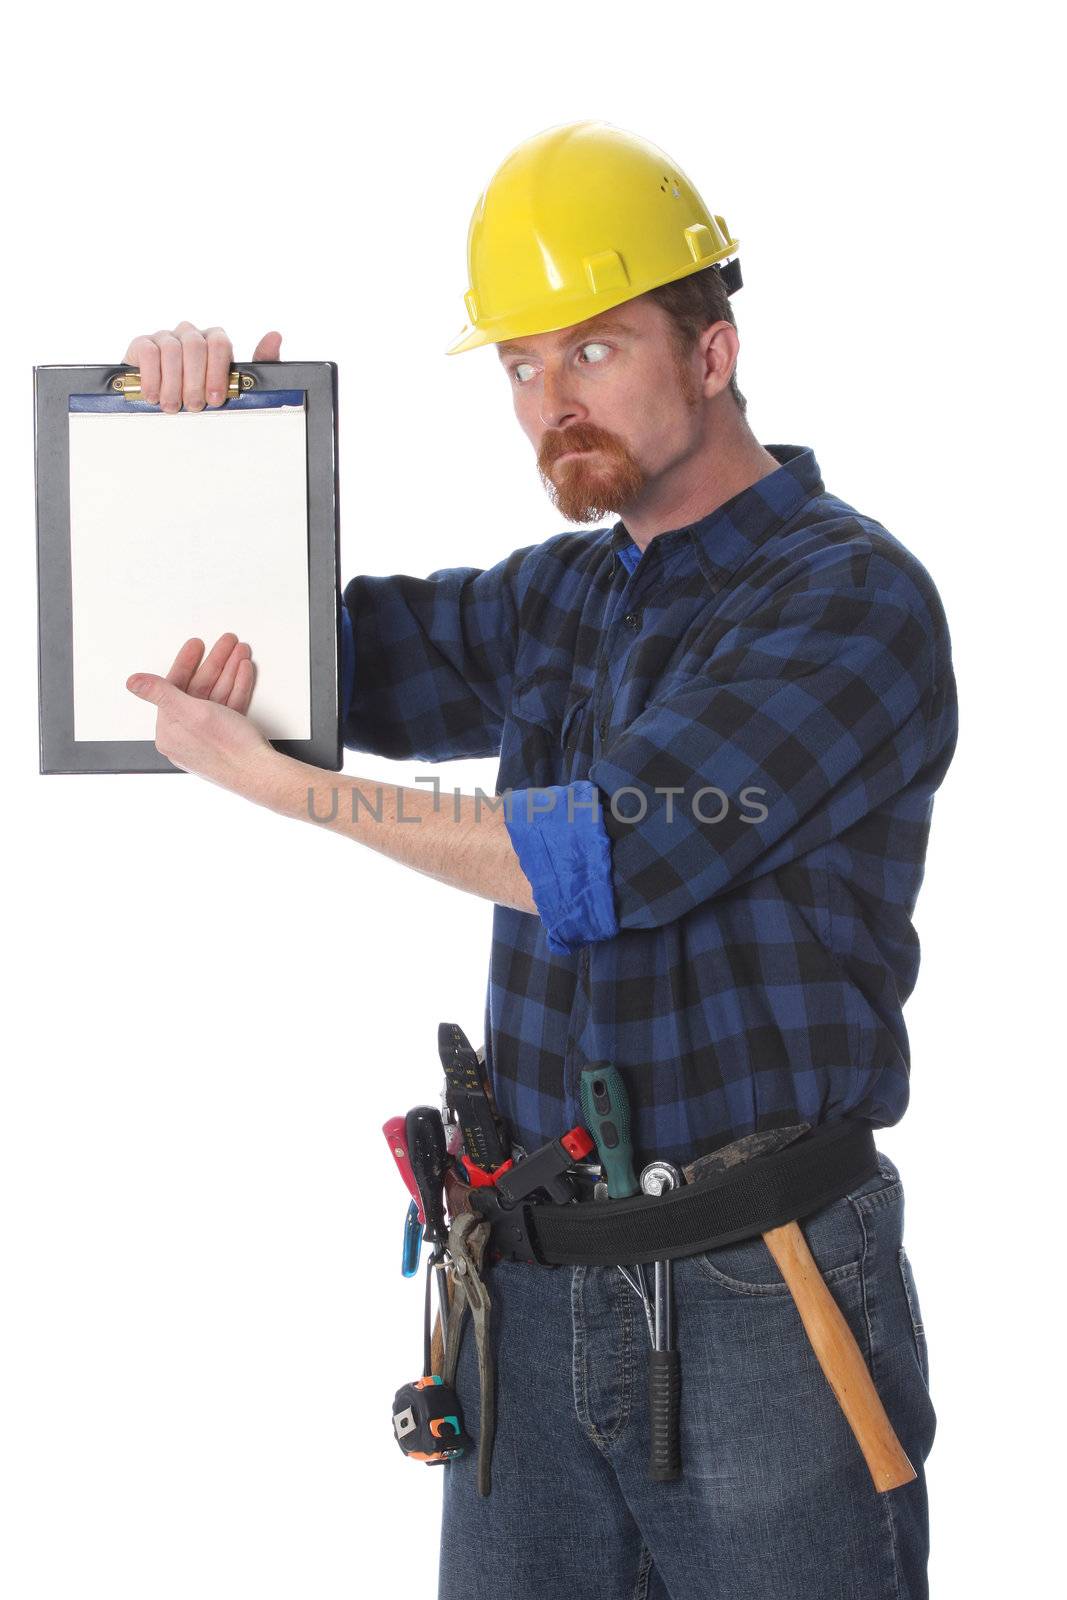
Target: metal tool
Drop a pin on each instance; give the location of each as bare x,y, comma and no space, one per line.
660,1177
764,1143
409,1262
425,1136
469,1100
639,1287
427,1415
466,1244
545,1169
664,1370
396,1138
500,1197
606,1107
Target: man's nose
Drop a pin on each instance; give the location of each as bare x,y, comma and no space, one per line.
559,406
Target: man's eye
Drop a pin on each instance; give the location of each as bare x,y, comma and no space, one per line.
522,372
599,351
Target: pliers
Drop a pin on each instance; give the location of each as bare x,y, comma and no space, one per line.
466,1245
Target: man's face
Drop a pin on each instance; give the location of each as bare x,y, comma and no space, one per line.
616,392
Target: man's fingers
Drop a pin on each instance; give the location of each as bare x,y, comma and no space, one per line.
268,347
148,686
185,663
194,366
187,366
143,353
170,361
206,675
225,676
224,687
244,683
219,362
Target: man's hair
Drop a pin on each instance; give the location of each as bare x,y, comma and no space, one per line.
693,304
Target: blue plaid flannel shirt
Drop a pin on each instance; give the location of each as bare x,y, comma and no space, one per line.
717,767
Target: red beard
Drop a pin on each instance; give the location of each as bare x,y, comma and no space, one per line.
604,478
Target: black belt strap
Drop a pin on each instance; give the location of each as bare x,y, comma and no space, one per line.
736,1204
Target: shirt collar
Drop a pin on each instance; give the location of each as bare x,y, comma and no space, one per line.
726,536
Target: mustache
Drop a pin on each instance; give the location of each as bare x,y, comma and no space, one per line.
579,436
584,493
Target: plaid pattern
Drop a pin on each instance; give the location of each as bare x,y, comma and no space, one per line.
784,667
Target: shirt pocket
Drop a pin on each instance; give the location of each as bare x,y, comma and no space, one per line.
570,733
542,698
555,706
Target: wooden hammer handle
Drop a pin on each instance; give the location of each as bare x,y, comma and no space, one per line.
840,1358
437,1343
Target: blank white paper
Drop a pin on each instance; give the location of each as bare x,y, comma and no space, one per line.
183,526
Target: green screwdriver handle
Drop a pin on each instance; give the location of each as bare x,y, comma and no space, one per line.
606,1108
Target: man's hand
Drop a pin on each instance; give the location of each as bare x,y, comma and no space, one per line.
202,723
189,366
202,726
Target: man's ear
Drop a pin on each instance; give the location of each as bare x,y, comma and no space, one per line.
719,346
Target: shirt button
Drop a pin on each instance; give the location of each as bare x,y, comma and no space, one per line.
632,620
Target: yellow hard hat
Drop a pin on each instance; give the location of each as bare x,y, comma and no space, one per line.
577,220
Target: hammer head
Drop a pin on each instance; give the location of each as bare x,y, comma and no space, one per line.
764,1143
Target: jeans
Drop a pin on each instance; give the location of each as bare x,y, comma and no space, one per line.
775,1501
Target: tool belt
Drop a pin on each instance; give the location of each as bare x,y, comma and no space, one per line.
726,1200
738,1203
524,1209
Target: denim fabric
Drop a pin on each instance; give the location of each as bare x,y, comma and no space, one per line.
775,1498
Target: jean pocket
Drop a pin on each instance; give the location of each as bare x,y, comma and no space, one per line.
887,1177
833,1235
915,1311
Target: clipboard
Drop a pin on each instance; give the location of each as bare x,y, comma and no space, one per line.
156,527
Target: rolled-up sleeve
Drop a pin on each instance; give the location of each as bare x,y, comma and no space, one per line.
564,849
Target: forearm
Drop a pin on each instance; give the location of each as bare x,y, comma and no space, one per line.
458,839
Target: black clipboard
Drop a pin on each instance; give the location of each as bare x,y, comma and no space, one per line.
69,733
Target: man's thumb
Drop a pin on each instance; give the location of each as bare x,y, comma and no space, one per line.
269,347
147,686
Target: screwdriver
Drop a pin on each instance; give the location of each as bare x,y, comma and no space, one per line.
428,1153
397,1140
606,1108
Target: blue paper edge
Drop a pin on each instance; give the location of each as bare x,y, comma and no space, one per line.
264,400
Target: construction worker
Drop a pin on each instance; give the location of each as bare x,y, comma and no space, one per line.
721,719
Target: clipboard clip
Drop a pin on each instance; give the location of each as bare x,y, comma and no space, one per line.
129,384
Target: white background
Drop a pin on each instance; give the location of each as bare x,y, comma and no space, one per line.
210,1011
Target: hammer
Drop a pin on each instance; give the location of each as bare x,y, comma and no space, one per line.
829,1334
